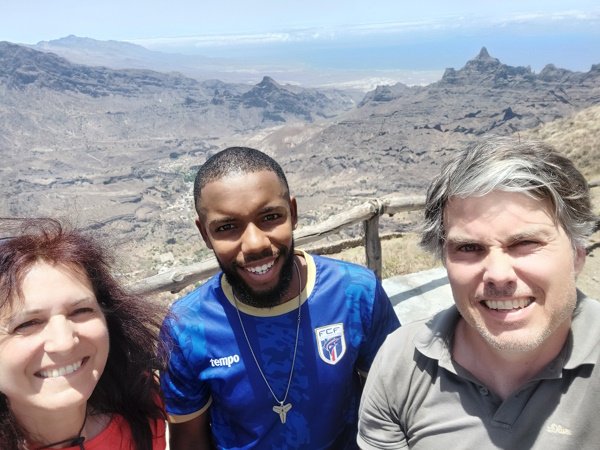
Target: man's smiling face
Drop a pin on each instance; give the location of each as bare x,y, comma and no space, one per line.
512,270
247,219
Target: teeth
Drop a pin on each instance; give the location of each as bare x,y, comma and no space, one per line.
507,304
60,372
261,269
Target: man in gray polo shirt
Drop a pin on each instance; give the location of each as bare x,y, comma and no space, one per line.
514,363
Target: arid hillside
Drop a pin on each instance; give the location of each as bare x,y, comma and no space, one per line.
578,137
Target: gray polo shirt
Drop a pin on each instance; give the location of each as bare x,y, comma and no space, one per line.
416,396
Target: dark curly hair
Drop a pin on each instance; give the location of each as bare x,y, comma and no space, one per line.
128,385
235,160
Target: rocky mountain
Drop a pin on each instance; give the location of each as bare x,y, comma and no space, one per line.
398,135
160,104
487,71
278,101
22,67
124,55
113,54
384,93
113,148
117,150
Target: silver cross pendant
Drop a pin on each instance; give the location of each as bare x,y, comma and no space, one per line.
282,410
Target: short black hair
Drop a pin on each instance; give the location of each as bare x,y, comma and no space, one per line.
235,160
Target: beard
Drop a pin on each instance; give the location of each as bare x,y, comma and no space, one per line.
533,336
268,298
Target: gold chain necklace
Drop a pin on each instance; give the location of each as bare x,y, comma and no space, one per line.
282,407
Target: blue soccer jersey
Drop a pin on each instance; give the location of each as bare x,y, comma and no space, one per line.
345,317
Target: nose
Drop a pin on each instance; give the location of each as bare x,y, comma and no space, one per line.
254,240
499,271
60,335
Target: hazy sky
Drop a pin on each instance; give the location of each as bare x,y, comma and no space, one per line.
30,21
341,34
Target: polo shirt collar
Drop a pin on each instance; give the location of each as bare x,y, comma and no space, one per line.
434,340
583,342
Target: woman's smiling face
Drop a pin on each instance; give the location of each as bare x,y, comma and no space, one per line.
54,341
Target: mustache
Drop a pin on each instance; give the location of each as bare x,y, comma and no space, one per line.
491,291
267,253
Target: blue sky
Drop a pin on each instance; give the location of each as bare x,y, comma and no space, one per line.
30,21
329,34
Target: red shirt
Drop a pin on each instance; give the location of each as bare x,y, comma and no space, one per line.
117,436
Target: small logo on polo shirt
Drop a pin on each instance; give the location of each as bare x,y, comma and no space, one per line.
331,342
558,429
225,361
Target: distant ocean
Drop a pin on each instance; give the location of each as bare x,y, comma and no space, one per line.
572,50
365,57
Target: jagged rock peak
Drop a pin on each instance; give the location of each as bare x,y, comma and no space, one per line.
268,82
489,70
483,54
483,62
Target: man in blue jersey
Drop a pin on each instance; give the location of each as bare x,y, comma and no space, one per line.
270,352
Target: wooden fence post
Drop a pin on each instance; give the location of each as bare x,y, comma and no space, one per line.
373,245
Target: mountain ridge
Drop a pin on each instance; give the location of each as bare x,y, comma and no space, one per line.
140,92
124,163
404,133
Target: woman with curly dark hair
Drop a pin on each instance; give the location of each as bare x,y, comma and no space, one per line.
78,353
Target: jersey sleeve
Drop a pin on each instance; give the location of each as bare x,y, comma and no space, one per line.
186,395
381,322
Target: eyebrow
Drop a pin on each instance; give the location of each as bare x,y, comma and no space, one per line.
221,220
459,240
227,219
32,312
270,208
537,233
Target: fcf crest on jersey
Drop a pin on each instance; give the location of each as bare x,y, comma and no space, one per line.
331,342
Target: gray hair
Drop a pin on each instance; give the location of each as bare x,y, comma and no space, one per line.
506,164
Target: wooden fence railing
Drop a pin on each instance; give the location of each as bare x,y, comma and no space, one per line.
368,213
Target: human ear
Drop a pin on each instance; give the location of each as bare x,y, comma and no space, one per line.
293,211
579,259
203,233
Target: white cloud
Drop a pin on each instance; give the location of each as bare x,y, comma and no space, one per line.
306,35
549,18
218,40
